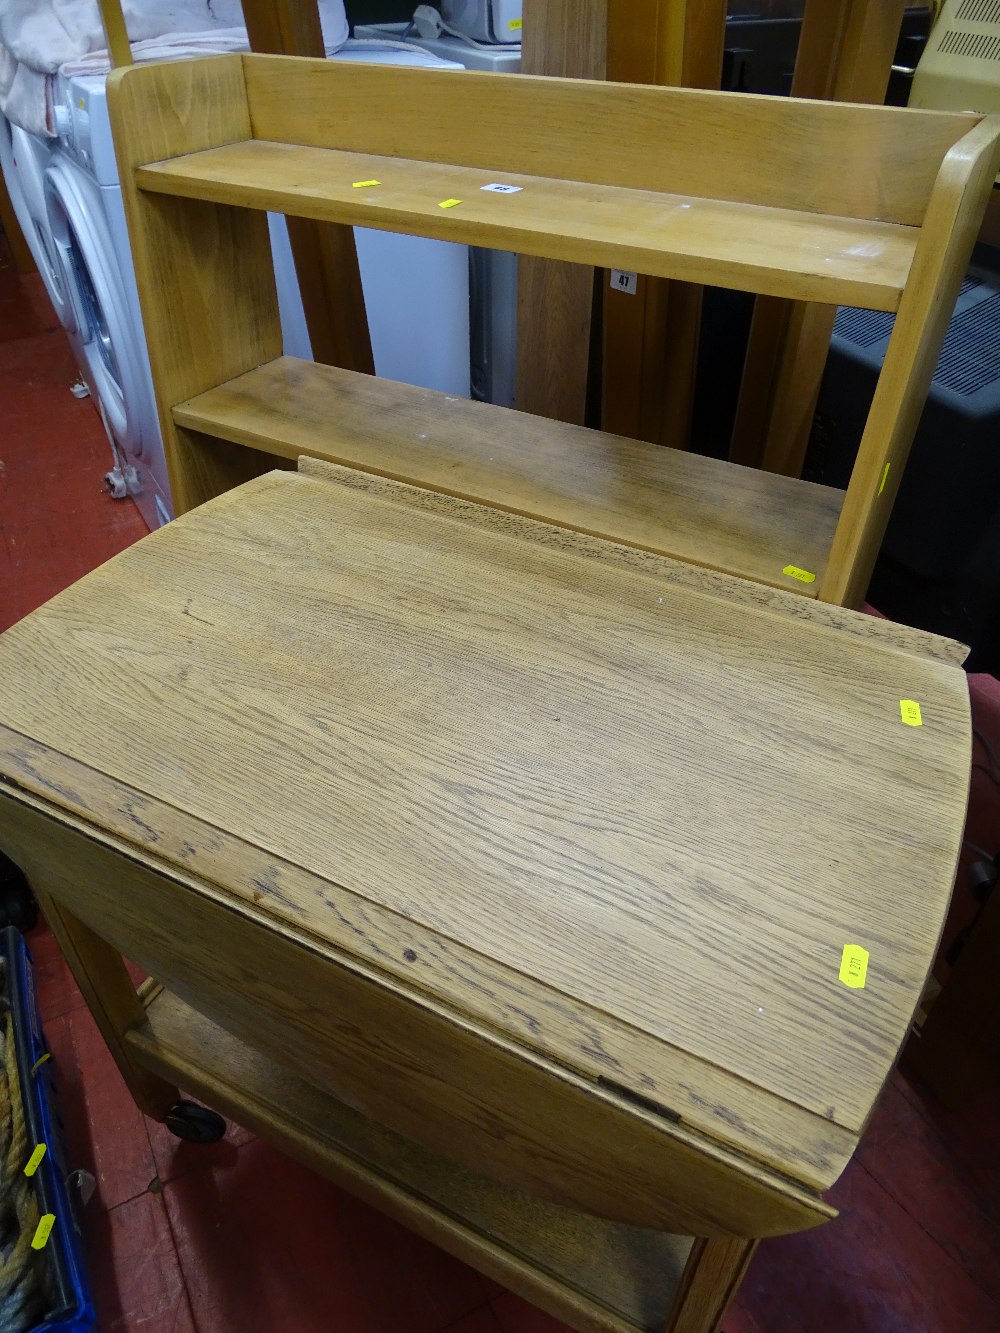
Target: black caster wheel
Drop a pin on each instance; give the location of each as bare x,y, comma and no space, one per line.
17,903
196,1124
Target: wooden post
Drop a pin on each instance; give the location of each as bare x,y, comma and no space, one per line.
326,258
119,49
106,986
651,335
555,298
714,1271
845,53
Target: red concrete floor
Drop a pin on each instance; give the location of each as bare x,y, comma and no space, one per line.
236,1238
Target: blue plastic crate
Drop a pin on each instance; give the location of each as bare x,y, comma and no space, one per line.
72,1309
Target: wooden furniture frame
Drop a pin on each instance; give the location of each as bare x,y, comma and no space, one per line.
510,839
866,206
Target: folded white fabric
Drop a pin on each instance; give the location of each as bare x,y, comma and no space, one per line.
39,37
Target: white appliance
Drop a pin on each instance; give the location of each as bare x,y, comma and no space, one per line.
492,273
416,289
23,160
87,221
496,59
959,69
484,20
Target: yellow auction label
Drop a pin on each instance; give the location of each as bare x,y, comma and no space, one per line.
909,711
363,185
45,1224
514,25
35,1160
449,203
854,966
803,575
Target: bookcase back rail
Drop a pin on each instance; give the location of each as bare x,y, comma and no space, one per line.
878,163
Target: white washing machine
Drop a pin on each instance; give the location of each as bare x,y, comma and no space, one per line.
23,159
87,220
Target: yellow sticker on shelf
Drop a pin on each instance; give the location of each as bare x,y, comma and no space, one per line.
514,25
35,1160
803,575
854,966
363,185
449,203
881,485
909,711
45,1224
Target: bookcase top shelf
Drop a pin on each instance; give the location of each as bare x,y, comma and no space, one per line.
779,251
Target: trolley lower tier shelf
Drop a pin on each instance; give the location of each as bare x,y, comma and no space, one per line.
594,1274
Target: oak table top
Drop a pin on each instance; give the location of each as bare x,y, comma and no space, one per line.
622,814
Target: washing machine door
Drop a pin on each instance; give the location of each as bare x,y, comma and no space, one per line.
23,159
101,327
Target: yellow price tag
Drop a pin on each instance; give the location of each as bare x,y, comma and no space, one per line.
363,185
45,1224
449,203
514,25
909,711
854,966
803,575
35,1160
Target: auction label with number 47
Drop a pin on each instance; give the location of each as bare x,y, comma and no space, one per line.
623,281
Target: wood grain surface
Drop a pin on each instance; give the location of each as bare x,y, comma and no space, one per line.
695,508
753,248
453,680
399,1057
824,157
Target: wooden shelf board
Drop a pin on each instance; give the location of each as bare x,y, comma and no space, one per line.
781,252
596,1275
699,510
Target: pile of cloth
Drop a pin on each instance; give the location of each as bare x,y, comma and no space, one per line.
38,38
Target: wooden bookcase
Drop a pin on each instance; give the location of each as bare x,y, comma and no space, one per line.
839,204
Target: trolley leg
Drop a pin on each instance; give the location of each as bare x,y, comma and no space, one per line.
107,987
713,1272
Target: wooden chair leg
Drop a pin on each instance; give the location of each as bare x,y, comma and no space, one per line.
712,1274
107,987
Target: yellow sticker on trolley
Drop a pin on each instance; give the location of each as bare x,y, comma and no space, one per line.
803,575
45,1224
35,1160
909,711
854,966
